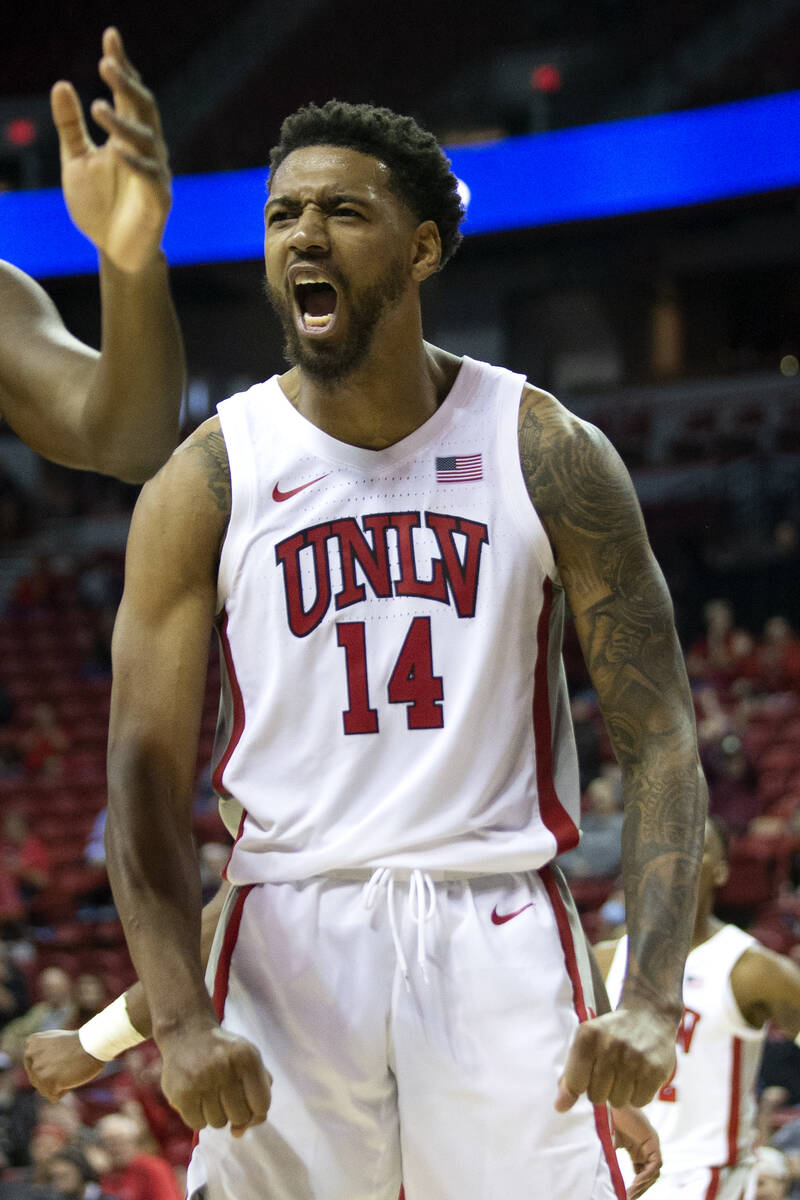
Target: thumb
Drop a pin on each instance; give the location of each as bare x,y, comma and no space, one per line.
565,1097
67,113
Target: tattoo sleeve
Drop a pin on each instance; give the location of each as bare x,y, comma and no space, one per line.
210,444
624,619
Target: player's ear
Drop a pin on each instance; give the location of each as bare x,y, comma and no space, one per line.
721,873
426,251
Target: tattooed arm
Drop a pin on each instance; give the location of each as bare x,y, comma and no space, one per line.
160,655
624,621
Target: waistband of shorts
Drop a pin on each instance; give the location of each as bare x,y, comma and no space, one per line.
405,874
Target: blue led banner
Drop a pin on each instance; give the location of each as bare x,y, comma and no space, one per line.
585,173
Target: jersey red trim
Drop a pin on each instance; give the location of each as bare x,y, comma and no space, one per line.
601,1114
713,1187
554,816
222,973
238,705
736,1101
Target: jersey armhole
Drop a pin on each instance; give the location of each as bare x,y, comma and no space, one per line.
234,425
520,505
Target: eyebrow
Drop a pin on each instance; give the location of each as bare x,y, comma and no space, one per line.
330,201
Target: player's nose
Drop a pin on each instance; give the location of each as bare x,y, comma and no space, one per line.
310,231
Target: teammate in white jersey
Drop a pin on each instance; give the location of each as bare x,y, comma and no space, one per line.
116,410
706,1114
385,537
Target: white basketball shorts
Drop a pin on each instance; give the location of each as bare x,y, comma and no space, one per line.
416,1030
705,1183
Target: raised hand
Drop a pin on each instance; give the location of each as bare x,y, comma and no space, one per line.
56,1062
214,1077
118,194
622,1057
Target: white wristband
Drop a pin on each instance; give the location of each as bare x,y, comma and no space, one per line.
110,1032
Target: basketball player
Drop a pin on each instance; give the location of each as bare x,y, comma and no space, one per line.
114,411
705,1115
385,537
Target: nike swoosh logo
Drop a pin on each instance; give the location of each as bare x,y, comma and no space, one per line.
278,495
500,919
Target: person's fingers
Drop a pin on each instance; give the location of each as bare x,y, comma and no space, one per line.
213,1110
140,138
131,97
645,1086
256,1083
69,121
578,1069
235,1105
564,1097
114,47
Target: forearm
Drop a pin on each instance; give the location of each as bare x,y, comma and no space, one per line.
135,999
133,407
665,804
155,881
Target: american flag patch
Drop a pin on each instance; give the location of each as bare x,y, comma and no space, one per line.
459,468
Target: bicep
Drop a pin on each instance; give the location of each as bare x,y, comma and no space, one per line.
615,589
162,634
766,986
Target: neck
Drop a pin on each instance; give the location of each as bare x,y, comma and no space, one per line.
398,387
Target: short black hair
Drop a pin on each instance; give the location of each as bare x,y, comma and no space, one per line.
420,172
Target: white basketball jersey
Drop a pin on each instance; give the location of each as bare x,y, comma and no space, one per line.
705,1115
390,625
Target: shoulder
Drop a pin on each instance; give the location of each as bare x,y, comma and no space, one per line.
576,480
187,503
763,981
201,461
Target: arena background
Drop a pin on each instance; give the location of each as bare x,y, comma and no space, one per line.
677,331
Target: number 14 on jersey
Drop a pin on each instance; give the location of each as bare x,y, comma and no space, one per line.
412,681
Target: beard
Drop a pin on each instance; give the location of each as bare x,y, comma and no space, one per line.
333,363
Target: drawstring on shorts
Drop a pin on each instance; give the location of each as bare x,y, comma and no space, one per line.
421,906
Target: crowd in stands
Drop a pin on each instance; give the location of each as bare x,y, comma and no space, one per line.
62,953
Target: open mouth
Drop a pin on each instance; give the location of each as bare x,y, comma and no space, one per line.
316,302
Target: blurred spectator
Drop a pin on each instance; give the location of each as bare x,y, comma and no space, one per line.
133,1175
24,871
90,997
17,1117
717,657
70,1174
774,665
14,1000
787,1140
55,1010
39,588
599,854
772,1175
46,1140
732,792
45,741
